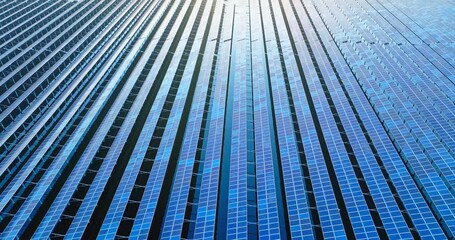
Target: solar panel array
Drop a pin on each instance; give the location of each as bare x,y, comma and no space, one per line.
227,119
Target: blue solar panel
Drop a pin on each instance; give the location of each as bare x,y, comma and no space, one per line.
198,119
206,211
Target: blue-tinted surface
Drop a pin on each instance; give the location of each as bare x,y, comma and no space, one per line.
258,119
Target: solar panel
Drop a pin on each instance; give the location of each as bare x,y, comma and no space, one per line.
199,119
